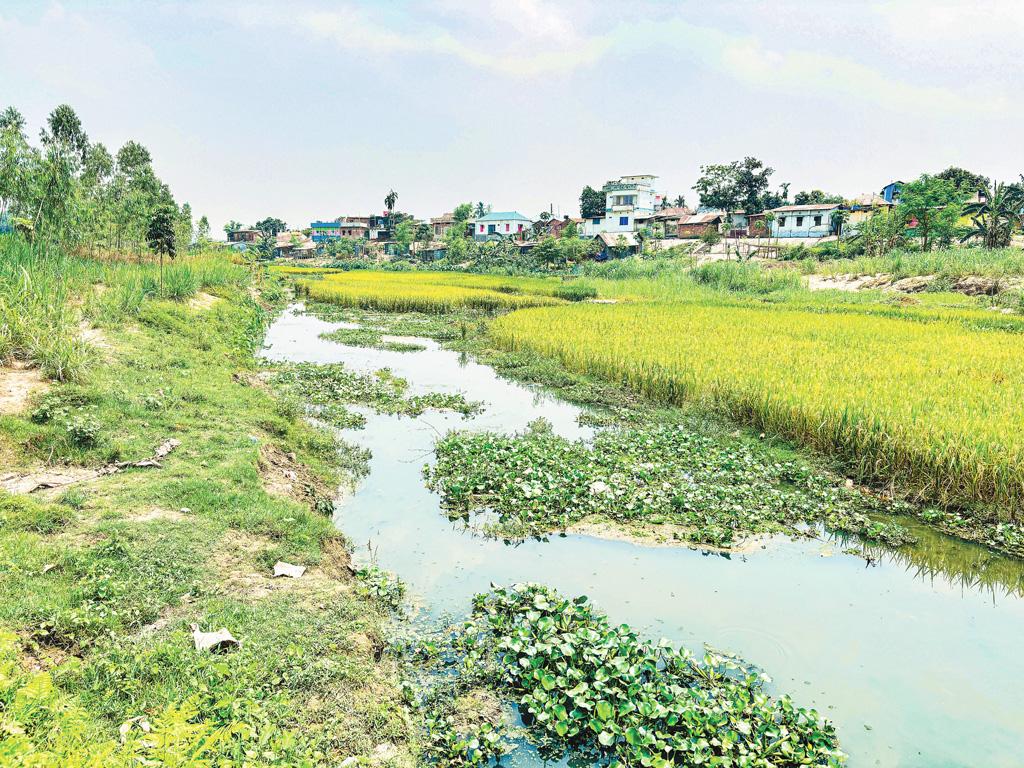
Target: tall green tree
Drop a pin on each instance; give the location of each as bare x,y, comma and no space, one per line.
270,226
203,230
389,202
816,196
233,226
966,182
592,202
935,205
404,235
739,185
160,235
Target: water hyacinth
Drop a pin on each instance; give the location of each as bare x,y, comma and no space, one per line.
585,685
715,491
330,385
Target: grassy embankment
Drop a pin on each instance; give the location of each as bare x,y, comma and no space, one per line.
882,386
944,262
102,579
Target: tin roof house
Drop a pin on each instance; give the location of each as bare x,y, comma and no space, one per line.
501,224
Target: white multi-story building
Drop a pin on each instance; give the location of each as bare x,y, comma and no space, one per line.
625,199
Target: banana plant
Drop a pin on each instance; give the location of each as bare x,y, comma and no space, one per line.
994,216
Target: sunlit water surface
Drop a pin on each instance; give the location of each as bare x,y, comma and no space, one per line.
916,657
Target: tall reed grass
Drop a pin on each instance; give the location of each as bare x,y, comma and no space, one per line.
946,262
45,294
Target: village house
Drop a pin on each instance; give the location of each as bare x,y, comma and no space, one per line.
616,245
501,224
323,231
294,244
667,218
862,208
440,225
244,236
891,192
697,224
554,226
625,200
810,220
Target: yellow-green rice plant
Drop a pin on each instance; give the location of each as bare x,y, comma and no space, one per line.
934,407
428,291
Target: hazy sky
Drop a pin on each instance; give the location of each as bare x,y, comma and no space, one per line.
309,110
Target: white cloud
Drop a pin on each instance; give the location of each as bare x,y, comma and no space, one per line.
522,38
531,38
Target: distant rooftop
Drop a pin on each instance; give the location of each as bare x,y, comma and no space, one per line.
503,216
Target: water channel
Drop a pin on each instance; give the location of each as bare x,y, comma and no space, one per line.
916,656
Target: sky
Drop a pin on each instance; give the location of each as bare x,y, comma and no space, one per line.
310,110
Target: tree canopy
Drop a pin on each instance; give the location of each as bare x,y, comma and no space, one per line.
592,202
739,185
71,190
935,204
963,180
270,226
816,196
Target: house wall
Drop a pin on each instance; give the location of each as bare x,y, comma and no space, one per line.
503,227
806,226
694,230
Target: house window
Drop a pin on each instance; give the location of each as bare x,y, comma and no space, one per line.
491,228
520,227
481,228
799,221
817,221
596,220
506,227
782,221
623,221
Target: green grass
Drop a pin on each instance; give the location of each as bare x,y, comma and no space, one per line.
948,262
85,572
45,295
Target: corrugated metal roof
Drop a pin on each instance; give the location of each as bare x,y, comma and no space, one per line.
612,238
807,207
701,218
503,216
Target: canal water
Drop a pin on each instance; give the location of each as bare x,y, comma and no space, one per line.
917,656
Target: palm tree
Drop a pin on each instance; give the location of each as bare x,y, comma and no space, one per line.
679,202
389,202
994,216
480,209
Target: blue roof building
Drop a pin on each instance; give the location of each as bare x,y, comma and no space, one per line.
891,192
500,224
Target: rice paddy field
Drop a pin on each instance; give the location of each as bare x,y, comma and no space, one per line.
436,292
932,406
920,395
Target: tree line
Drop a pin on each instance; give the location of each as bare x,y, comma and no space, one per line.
70,190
